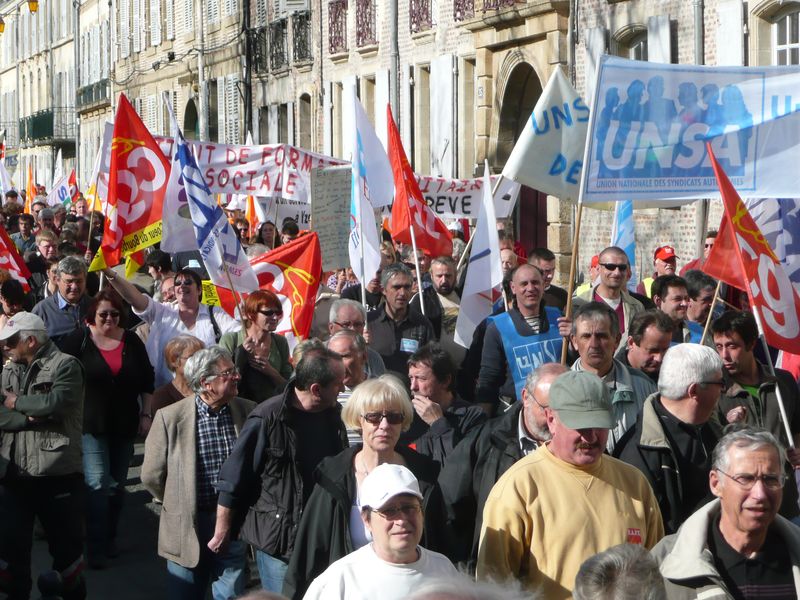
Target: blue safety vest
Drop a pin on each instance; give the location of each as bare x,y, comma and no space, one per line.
524,353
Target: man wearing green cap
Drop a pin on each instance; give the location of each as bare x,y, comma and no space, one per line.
567,501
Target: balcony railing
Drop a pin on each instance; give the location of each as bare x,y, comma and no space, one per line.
48,125
419,16
94,93
260,49
278,54
301,36
337,26
11,128
463,9
497,4
365,23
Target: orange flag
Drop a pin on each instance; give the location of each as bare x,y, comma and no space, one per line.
137,181
742,257
291,271
252,216
409,208
30,190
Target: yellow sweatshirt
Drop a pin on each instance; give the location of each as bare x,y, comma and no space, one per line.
544,517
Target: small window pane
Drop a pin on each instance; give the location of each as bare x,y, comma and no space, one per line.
795,56
781,27
793,31
781,57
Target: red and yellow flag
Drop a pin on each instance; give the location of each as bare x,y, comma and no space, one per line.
137,182
11,261
30,190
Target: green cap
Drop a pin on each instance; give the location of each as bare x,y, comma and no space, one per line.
581,400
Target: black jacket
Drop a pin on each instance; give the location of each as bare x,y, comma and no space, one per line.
261,479
471,471
433,308
324,533
647,447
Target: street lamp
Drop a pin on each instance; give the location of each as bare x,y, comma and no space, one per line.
33,5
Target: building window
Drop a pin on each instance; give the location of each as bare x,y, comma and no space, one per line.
786,30
631,44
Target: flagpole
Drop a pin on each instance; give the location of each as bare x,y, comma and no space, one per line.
573,263
416,268
236,297
468,247
711,311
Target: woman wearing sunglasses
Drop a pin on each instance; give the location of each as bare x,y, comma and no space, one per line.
331,526
260,354
117,373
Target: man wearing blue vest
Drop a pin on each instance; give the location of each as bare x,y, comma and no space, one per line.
518,341
671,295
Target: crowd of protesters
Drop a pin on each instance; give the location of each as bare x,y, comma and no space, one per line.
379,458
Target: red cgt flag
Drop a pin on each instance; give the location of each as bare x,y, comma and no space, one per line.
409,206
292,272
11,261
742,257
137,182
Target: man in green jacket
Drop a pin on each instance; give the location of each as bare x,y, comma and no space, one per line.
41,476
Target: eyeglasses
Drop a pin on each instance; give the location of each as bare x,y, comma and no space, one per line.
748,480
394,512
184,282
350,324
375,418
269,312
232,372
614,267
539,404
721,383
110,314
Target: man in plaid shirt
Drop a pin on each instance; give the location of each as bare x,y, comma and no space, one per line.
186,446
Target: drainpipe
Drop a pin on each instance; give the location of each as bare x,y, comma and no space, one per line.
248,67
201,76
394,62
701,211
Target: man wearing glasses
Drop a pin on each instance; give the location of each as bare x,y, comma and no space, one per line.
393,565
614,274
751,396
738,542
65,311
267,479
349,314
675,434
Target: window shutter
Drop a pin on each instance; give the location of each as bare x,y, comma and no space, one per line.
124,27
170,19
221,110
294,5
155,22
96,53
730,41
104,41
595,48
231,7
212,11
158,113
261,13
658,39
233,122
137,24
188,16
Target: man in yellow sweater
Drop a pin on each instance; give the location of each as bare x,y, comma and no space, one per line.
567,501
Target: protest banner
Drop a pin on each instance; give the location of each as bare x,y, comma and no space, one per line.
330,207
650,123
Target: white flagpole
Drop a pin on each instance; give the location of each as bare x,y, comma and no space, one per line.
416,268
467,248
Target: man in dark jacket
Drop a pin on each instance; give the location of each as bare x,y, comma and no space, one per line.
441,418
268,477
487,452
676,432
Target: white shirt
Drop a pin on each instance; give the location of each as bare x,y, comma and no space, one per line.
165,323
361,575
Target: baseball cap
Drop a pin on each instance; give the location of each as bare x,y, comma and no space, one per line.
665,253
581,400
384,483
22,321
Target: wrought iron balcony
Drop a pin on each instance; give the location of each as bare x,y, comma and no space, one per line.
419,15
94,94
12,133
337,26
498,4
260,49
463,9
301,36
365,23
50,125
278,51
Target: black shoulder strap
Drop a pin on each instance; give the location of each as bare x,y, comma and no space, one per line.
214,324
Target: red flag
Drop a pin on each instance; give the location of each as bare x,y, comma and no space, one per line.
11,261
137,181
73,186
291,271
409,206
760,272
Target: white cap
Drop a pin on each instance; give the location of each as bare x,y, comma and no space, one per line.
384,483
22,321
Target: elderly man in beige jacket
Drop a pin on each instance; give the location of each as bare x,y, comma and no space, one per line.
187,444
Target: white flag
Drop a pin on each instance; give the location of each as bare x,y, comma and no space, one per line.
60,192
548,155
58,172
5,180
374,160
476,300
364,244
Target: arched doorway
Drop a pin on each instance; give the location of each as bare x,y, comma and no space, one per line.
522,90
191,123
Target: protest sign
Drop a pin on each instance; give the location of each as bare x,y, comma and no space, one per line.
650,123
330,206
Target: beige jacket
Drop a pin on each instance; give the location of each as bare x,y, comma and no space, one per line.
169,473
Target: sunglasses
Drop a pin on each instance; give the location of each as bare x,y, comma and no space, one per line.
269,312
393,512
184,282
111,314
614,267
709,245
375,418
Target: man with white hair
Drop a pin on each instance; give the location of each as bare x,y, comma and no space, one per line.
393,564
737,546
349,314
676,431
